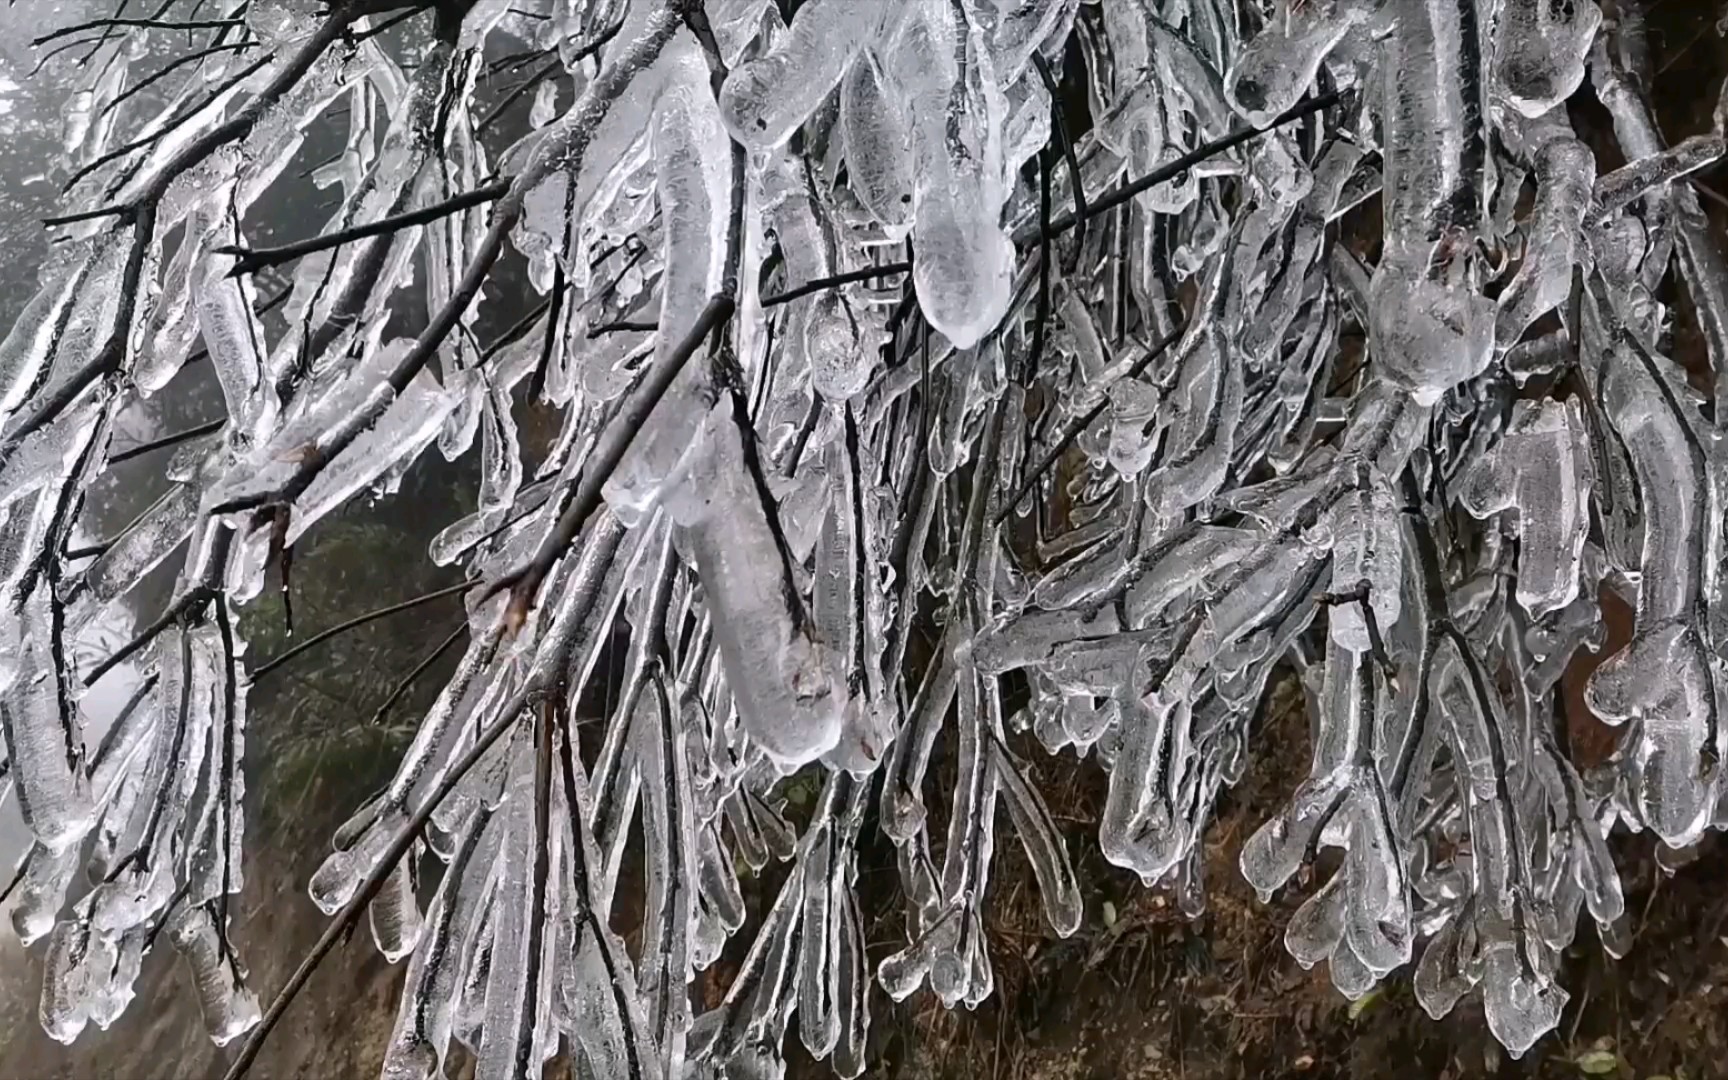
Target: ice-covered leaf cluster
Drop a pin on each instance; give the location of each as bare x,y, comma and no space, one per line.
934,378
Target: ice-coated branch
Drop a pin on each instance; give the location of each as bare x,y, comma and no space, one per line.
564,148
894,408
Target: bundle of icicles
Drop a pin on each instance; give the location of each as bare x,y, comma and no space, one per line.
938,379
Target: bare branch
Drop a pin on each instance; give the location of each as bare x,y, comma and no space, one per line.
175,439
145,24
401,689
357,621
253,260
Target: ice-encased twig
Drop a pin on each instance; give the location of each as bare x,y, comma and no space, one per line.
808,555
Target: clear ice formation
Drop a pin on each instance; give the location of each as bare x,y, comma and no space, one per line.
841,519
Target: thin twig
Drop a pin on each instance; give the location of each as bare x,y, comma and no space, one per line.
167,128
1083,212
175,439
148,24
401,689
1078,425
622,327
1122,193
188,602
551,65
1060,123
251,260
359,620
516,93
797,292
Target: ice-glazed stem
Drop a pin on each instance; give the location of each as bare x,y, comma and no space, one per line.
765,99
1665,678
965,262
1540,52
229,1008
775,668
668,825
1278,65
44,747
1565,177
1430,327
692,163
1701,261
422,1036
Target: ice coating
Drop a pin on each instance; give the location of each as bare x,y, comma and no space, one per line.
765,99
1430,326
964,274
691,166
1565,179
786,698
1540,52
1280,62
989,443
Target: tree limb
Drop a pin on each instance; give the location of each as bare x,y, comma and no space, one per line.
357,621
253,260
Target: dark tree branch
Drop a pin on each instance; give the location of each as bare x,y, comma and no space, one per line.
175,439
401,689
518,330
1122,193
117,210
603,461
190,601
623,327
145,24
555,309
254,259
848,278
1059,121
357,621
1028,368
